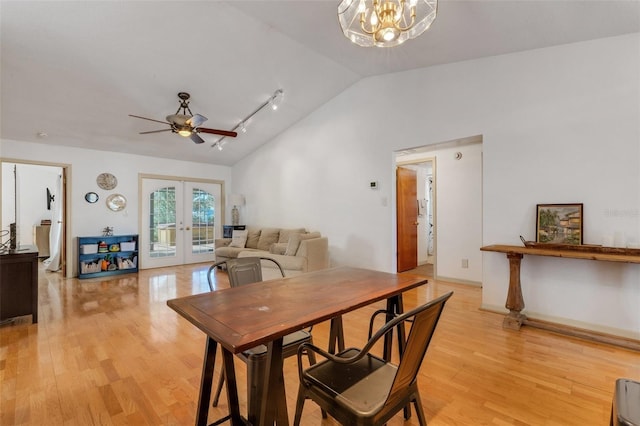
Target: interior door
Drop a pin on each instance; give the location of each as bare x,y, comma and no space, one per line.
407,218
179,223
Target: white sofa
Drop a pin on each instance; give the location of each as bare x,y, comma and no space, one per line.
296,250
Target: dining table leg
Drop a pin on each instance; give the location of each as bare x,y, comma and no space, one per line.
206,381
232,388
336,335
273,407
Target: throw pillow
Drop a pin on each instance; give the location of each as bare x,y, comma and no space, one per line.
278,248
252,237
292,245
268,236
238,239
286,233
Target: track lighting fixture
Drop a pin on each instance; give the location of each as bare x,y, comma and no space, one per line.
274,101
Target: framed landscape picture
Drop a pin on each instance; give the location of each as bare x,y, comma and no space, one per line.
559,223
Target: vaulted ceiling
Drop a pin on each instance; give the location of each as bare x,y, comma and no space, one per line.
75,69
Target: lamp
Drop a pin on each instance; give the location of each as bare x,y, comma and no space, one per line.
385,23
274,101
236,200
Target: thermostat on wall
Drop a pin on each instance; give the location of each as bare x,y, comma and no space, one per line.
374,184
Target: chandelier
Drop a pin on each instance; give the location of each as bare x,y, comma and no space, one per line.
385,23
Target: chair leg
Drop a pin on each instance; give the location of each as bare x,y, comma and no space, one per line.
216,397
417,403
312,361
300,405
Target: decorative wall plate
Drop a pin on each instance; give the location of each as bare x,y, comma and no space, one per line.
106,181
116,202
91,197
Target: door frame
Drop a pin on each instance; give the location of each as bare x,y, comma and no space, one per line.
432,160
142,176
66,251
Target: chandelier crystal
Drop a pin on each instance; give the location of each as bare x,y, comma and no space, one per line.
385,23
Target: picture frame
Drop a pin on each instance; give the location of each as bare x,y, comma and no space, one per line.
559,223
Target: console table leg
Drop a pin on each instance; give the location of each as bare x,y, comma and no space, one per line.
515,302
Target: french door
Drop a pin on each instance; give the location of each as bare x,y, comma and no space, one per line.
180,222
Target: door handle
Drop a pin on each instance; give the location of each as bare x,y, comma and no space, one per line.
188,228
416,223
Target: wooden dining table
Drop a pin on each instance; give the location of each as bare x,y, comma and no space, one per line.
243,317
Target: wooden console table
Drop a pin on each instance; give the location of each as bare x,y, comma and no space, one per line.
515,302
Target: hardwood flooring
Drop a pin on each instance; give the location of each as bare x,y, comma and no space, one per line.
110,352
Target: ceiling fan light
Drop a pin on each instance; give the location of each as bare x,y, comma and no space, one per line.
184,132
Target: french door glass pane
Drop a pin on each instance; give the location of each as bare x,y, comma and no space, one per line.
162,220
203,219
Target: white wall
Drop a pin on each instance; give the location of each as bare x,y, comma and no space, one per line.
33,181
559,125
85,165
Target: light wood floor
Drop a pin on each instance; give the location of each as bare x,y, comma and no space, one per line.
111,352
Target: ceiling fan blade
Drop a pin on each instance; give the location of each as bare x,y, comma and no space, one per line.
150,119
217,132
196,120
155,131
197,139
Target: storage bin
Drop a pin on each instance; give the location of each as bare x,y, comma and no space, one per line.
89,267
88,248
127,246
124,263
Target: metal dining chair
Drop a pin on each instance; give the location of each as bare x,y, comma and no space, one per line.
247,270
359,388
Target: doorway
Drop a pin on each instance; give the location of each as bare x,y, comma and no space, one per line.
415,195
35,203
180,220
450,214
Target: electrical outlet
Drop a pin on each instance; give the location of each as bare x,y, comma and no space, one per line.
465,263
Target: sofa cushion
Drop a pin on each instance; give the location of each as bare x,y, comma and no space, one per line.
253,236
286,233
278,248
288,263
268,236
232,252
294,242
239,239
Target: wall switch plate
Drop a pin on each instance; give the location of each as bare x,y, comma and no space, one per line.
465,263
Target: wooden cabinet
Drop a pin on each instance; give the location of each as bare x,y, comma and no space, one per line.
102,256
41,239
19,284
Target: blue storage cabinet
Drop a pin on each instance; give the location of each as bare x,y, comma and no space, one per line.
121,254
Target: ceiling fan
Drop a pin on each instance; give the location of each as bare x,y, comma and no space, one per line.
186,125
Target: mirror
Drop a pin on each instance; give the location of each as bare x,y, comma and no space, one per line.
116,202
91,197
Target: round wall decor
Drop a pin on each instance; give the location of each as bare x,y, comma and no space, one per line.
116,202
91,197
106,181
